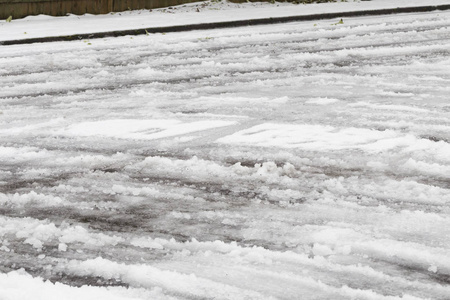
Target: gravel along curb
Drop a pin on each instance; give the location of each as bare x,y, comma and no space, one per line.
227,24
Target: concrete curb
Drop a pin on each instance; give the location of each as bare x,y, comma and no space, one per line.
227,24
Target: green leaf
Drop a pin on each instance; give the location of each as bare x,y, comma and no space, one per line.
340,22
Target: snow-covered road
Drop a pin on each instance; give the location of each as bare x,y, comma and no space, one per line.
296,161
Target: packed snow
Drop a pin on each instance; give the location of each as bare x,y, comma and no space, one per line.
293,161
209,11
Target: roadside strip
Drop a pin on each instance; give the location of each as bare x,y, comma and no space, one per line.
227,24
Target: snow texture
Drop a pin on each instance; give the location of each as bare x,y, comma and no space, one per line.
293,161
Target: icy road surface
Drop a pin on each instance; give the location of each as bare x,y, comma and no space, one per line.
296,161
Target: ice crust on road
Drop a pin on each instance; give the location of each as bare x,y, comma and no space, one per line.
302,160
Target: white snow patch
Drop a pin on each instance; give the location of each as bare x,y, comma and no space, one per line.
389,107
38,26
322,101
19,285
31,198
312,137
140,129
